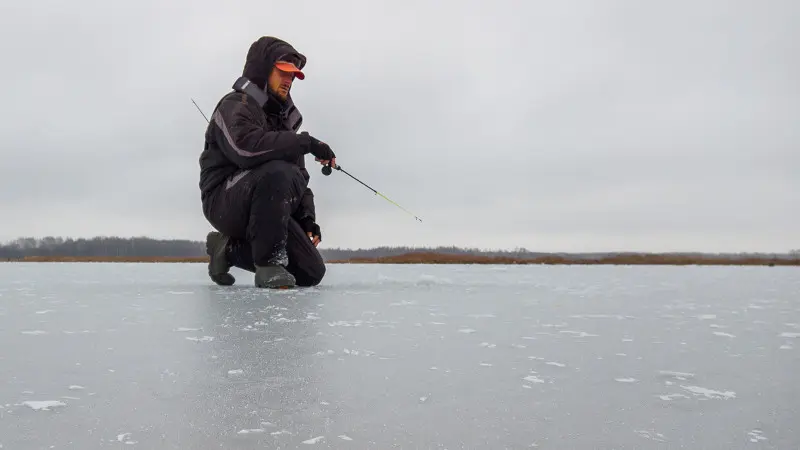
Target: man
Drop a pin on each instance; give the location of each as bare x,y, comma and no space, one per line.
253,181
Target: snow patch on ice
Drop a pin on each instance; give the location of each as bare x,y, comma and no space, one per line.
651,435
124,437
578,333
668,397
790,335
555,325
756,435
626,380
43,405
723,334
34,332
533,379
346,323
683,376
601,316
201,339
313,440
709,393
348,351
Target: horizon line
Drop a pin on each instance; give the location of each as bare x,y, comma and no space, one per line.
789,252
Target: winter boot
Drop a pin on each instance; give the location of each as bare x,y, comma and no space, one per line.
274,277
218,265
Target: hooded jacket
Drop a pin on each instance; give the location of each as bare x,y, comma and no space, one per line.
241,135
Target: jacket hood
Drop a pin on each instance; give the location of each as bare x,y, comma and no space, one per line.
263,54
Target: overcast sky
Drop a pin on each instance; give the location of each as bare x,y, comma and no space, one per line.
563,126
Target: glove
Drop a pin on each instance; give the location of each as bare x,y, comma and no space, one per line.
309,226
319,149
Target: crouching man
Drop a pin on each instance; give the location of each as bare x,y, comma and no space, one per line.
253,180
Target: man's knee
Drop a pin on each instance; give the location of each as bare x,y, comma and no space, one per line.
318,273
311,275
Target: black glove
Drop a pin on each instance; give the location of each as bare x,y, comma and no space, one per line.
309,226
319,149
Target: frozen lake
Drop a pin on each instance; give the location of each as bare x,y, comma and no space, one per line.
155,356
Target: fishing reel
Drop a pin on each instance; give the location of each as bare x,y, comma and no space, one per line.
327,169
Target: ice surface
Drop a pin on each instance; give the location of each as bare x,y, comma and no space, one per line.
378,356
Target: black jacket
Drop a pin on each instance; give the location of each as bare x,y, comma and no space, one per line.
241,135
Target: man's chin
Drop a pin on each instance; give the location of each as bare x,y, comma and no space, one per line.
280,93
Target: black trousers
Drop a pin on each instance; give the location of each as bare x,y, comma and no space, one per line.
254,208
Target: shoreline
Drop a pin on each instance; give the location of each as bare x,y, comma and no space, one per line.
440,258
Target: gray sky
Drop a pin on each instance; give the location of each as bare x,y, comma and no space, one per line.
563,126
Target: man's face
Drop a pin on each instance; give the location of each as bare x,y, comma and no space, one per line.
280,82
282,76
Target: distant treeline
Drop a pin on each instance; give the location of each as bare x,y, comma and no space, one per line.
133,248
138,247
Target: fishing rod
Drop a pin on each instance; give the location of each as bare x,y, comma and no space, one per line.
327,170
201,111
